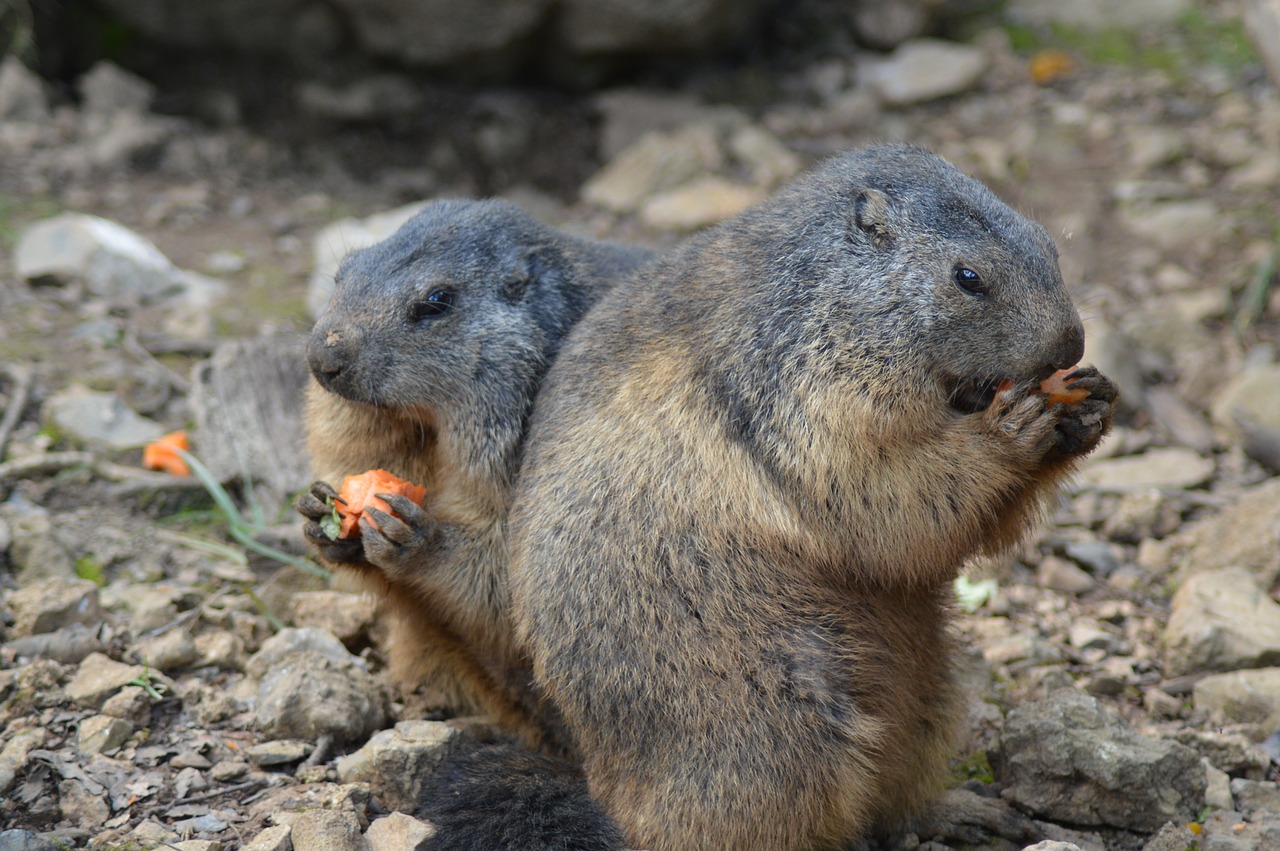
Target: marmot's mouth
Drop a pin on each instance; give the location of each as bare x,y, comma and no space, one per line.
969,396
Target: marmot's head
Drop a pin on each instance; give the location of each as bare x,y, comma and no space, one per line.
937,271
447,316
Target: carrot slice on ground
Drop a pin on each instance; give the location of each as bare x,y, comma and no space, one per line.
1059,392
358,493
159,454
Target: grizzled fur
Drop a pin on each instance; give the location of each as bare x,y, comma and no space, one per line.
426,363
749,482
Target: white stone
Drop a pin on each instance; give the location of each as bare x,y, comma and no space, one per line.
925,69
333,243
109,259
1171,468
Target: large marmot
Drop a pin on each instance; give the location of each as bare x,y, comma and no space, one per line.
749,483
425,363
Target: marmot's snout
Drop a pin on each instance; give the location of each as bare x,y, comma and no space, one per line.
329,354
1069,347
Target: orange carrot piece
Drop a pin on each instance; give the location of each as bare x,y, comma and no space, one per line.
160,455
359,492
1059,392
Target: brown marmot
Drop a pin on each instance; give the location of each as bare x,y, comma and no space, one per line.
748,485
425,363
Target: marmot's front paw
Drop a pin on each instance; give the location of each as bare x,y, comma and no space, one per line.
1082,425
399,544
316,504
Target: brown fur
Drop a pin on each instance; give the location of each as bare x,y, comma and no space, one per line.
750,480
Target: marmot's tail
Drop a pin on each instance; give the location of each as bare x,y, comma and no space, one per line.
500,797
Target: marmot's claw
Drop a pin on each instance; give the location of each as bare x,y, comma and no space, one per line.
1100,387
348,551
312,504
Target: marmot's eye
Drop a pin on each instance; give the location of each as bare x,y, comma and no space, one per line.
968,280
434,305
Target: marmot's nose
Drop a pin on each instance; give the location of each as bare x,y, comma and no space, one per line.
329,352
1069,348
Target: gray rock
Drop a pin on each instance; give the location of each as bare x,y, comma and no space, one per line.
628,114
1244,697
16,753
1244,534
309,695
51,604
438,32
25,840
333,242
1232,753
590,28
132,704
277,650
1262,23
698,204
926,69
110,260
348,617
1172,837
153,832
102,734
1058,574
100,420
168,651
1217,790
276,838
68,645
372,98
220,649
1116,356
1221,620
1249,406
886,25
1174,225
1099,14
1255,796
1067,757
398,832
656,163
1171,468
279,752
35,551
22,96
327,830
107,89
99,677
396,763
1053,845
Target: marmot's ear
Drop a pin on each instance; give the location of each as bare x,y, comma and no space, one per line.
523,271
871,215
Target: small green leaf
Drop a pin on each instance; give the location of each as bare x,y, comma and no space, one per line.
331,524
972,595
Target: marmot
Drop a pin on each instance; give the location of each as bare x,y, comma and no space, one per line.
748,484
425,363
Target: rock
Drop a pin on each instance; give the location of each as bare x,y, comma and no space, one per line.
99,677
769,162
107,90
333,242
1027,646
51,604
1262,24
279,752
1246,533
1068,758
102,734
279,648
1249,407
1058,574
246,401
150,606
132,704
1217,790
627,114
1174,225
1232,753
1099,14
398,832
1221,620
348,617
1244,697
1053,845
658,162
1172,837
370,99
698,204
438,33
1255,796
152,832
327,830
25,840
16,753
276,838
110,260
589,29
220,649
1186,425
35,552
1172,468
22,96
395,763
100,420
168,651
197,845
926,69
886,25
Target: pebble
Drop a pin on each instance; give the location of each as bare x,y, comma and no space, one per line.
111,261
396,762
279,752
1221,620
1175,226
108,90
1068,758
1246,697
654,164
22,96
277,838
327,830
132,704
700,203
52,604
99,677
398,832
1248,406
16,753
1253,797
35,551
168,651
348,617
926,69
219,648
311,695
102,734
1116,356
1058,574
1231,752
1246,533
100,420
1168,468
1217,790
